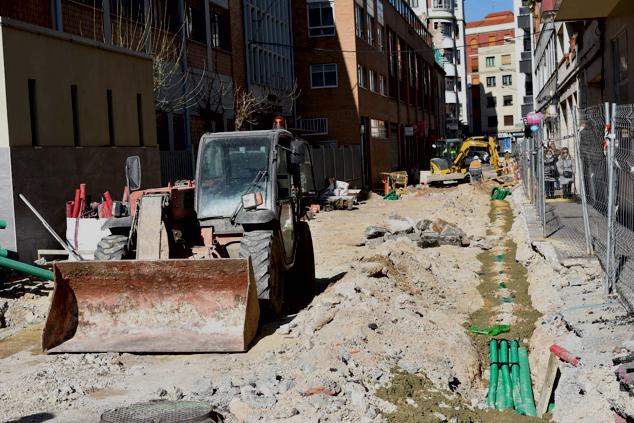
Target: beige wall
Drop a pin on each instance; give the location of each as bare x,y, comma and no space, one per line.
56,62
499,91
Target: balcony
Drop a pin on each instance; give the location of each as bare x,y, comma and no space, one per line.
526,65
591,9
528,100
524,21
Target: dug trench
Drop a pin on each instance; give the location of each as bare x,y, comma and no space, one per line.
387,340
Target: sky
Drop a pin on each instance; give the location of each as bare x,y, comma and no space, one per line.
478,9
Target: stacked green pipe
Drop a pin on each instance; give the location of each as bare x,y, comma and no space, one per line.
18,266
510,378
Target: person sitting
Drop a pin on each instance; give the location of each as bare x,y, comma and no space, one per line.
475,169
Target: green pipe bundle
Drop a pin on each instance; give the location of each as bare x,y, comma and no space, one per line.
510,378
493,376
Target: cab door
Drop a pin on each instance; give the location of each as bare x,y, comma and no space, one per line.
286,197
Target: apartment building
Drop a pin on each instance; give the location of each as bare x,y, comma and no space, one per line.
368,77
446,21
524,55
496,29
497,73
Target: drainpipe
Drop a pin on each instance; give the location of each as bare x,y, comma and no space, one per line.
107,28
56,6
184,70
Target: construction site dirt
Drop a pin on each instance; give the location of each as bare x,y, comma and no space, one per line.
387,338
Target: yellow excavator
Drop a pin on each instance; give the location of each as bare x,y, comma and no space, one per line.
453,156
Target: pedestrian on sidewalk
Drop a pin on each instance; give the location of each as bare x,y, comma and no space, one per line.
566,172
556,153
475,169
550,173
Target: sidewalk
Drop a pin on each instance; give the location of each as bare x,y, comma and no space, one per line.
591,325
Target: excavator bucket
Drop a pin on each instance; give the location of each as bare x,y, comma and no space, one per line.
158,306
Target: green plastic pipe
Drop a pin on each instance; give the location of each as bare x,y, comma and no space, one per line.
507,401
515,378
526,388
3,224
493,376
18,266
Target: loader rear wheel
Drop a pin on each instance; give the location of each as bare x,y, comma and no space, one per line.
112,247
266,250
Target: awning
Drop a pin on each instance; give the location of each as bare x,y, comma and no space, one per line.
577,10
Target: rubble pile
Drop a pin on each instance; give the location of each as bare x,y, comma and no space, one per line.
425,233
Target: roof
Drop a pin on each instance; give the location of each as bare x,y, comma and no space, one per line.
495,18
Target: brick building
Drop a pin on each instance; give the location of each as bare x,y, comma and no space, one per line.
368,77
495,29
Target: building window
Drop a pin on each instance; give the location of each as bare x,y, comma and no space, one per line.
35,140
507,80
448,55
491,101
492,40
380,37
490,61
219,27
359,21
459,83
378,128
323,76
446,29
506,59
109,102
382,85
196,25
492,121
315,126
508,120
474,44
450,84
443,4
74,104
490,81
620,66
370,28
508,100
475,65
321,20
361,76
372,79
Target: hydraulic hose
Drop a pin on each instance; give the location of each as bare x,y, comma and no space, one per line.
493,376
526,388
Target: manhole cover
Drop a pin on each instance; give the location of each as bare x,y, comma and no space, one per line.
162,412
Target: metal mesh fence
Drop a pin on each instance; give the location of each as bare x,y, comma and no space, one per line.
602,173
623,185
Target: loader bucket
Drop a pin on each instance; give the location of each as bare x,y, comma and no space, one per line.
162,306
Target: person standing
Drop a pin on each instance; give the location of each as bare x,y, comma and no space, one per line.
550,173
556,152
565,167
475,169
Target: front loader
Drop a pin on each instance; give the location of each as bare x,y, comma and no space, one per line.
194,265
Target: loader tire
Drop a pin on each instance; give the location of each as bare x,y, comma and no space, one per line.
112,247
266,252
303,286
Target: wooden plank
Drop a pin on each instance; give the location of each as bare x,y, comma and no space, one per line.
547,387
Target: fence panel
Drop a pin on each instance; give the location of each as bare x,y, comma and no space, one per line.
342,162
176,166
623,279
